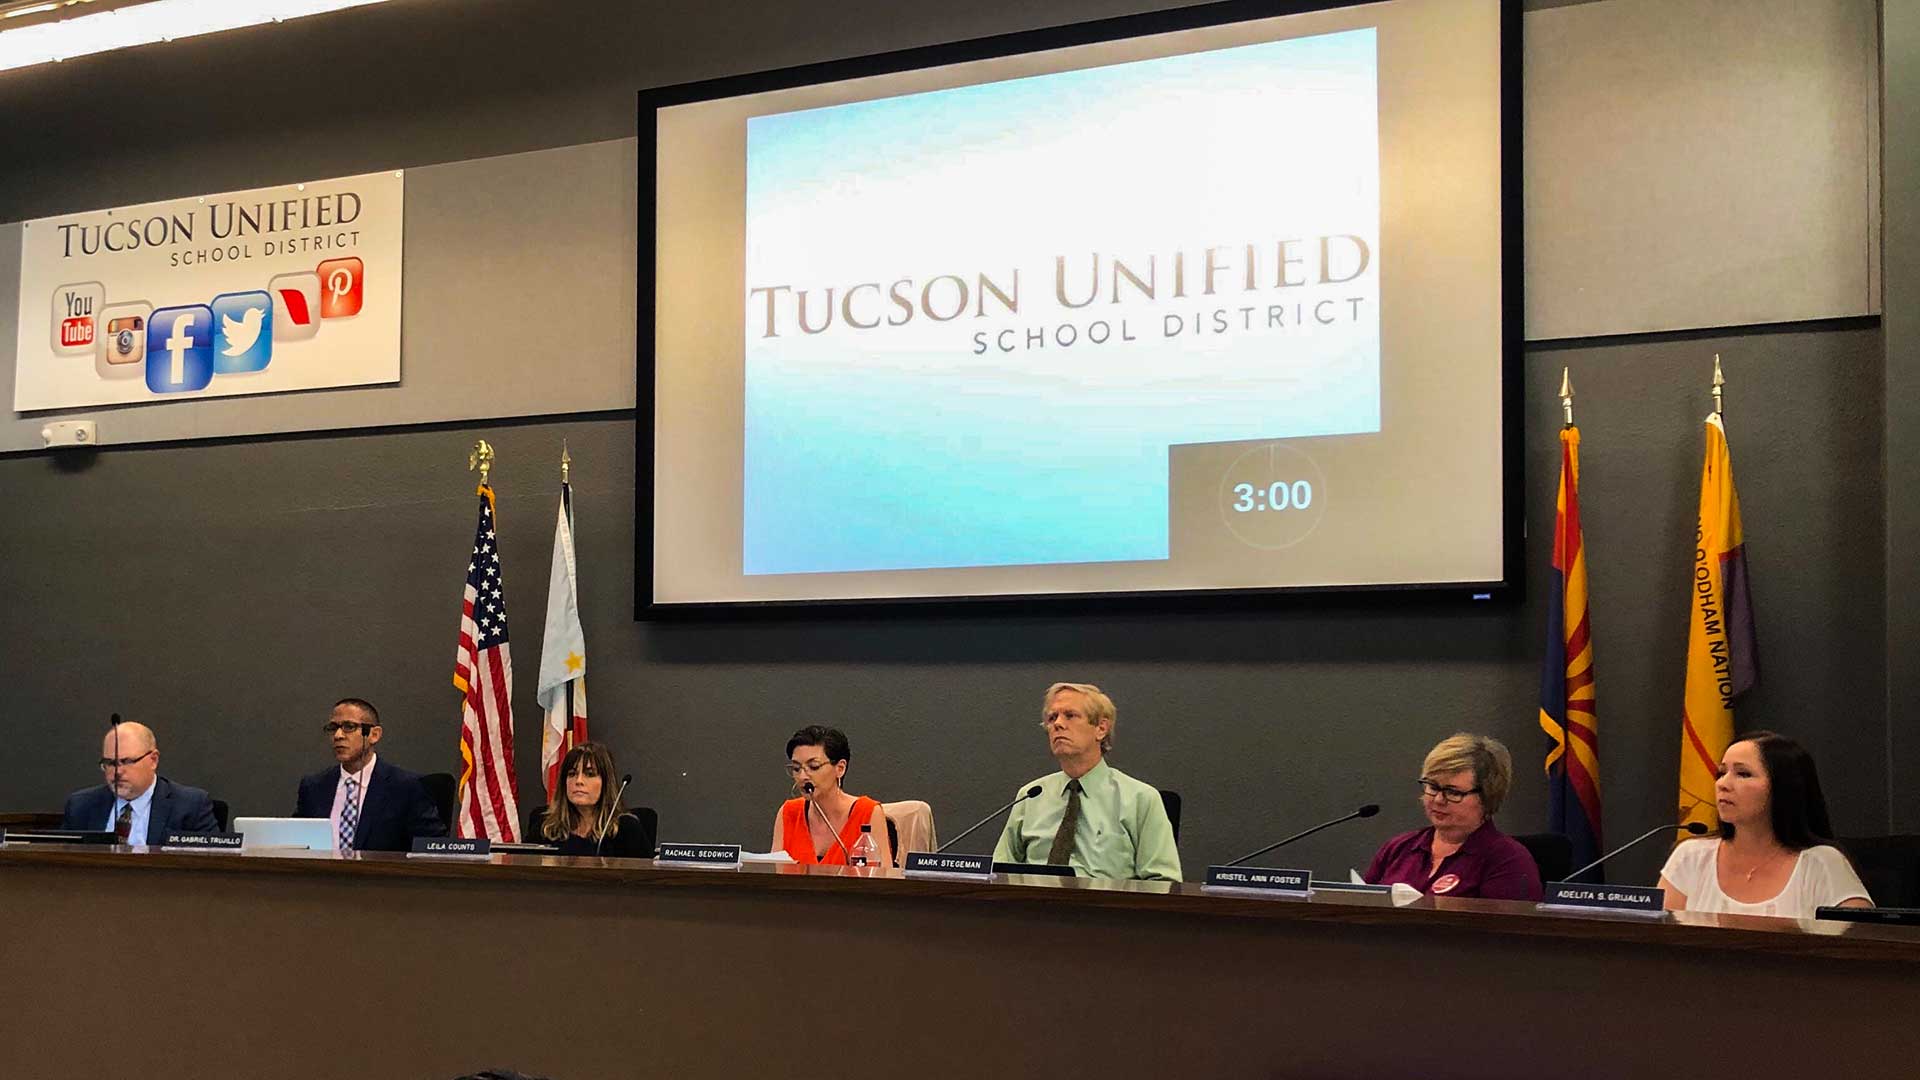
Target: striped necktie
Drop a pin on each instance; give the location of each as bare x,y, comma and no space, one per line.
349,814
123,825
1062,852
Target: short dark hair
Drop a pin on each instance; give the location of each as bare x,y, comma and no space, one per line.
366,708
831,740
1796,806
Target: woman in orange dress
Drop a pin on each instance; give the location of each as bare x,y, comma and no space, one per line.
822,824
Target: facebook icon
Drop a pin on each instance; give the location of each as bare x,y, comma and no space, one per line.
180,349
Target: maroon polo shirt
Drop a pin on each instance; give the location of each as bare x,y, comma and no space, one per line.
1490,865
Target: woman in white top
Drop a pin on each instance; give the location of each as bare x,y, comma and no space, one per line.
1773,855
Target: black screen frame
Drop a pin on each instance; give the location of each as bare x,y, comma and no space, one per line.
1509,589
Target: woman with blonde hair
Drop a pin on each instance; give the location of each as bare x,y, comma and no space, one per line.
1461,852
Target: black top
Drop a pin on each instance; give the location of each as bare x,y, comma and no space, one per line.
633,841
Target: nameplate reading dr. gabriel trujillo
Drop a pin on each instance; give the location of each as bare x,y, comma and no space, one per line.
202,841
711,855
1258,881
1629,898
451,847
931,864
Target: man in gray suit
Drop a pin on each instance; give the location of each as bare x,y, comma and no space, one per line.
136,803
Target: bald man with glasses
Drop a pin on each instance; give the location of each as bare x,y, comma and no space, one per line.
134,802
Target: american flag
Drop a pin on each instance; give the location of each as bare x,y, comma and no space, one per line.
483,673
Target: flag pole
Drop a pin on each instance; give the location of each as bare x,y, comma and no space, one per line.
1719,381
566,507
1566,711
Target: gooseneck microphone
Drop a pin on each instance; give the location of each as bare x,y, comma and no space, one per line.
1694,827
807,790
1366,811
612,812
1023,797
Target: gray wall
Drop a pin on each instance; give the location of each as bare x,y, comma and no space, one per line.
227,591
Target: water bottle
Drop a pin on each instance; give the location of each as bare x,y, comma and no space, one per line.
865,854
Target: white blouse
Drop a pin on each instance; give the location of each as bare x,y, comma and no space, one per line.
1821,877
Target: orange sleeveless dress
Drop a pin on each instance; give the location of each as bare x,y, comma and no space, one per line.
797,839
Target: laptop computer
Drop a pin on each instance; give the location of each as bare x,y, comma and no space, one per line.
311,834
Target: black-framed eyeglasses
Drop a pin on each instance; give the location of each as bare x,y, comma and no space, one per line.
1440,791
107,763
348,726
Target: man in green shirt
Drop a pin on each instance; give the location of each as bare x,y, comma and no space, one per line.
1089,815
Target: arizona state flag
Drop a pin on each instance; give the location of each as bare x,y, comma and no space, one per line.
1722,661
1566,677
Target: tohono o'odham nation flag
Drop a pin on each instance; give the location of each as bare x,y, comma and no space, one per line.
1567,703
483,673
562,687
1722,657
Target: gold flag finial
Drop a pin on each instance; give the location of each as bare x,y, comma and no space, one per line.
566,462
1719,381
482,458
1566,394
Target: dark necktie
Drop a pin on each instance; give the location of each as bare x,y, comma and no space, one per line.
123,825
1062,852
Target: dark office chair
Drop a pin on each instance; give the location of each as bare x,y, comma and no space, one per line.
220,813
1171,800
1552,852
1889,866
440,789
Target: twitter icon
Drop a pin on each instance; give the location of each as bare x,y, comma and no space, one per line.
242,332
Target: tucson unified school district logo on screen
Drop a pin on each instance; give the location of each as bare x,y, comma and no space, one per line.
181,348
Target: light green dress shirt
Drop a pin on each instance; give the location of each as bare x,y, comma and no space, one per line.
1123,830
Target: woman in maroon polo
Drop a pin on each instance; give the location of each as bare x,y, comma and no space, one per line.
1461,853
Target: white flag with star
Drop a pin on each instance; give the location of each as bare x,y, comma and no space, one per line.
562,686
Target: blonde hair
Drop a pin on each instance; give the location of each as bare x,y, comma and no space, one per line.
1487,757
1099,707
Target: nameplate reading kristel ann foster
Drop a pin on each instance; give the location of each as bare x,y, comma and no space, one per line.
1634,899
716,855
451,847
1258,881
203,841
932,864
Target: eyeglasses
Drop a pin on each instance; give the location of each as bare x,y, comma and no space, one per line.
1436,791
108,763
794,768
347,726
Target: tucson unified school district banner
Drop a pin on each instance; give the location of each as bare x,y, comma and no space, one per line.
253,292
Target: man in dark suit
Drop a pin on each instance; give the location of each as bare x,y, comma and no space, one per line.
138,804
374,806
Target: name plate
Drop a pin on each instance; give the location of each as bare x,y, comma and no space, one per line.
202,841
720,855
1631,898
932,864
1259,880
451,847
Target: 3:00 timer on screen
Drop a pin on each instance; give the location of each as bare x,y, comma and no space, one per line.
1279,495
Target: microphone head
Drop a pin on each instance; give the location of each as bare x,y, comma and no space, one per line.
1368,810
1695,827
627,779
113,720
807,788
1031,792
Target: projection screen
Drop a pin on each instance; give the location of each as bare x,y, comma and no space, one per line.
1220,301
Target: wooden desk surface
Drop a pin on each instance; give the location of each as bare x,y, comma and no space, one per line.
1497,918
299,965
